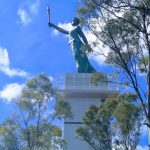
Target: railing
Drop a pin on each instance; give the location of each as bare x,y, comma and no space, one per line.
83,81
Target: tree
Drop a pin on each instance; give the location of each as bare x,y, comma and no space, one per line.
35,122
9,139
116,122
123,28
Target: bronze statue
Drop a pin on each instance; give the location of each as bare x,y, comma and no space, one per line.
79,48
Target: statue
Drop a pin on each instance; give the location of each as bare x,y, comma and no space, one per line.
78,47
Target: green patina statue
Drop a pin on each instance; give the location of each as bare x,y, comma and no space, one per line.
79,48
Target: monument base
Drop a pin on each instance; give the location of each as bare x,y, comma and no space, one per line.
80,93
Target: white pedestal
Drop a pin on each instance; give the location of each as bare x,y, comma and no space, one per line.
80,93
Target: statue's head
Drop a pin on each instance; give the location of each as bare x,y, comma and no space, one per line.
75,21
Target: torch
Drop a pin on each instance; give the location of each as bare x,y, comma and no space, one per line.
48,13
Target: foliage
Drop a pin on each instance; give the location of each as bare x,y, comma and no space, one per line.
9,139
123,28
115,122
63,109
98,77
33,128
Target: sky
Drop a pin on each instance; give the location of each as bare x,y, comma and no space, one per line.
29,47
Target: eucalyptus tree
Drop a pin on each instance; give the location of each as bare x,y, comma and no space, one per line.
123,27
9,135
114,124
34,121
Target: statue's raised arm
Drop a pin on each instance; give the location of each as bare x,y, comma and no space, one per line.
58,28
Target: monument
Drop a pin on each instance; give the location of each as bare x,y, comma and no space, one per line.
78,89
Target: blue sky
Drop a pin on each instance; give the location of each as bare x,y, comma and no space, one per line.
28,46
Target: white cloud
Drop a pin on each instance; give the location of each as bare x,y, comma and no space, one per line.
4,60
66,26
25,18
51,78
5,65
34,7
27,12
11,91
13,72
